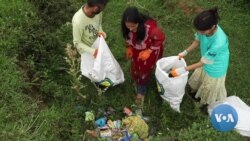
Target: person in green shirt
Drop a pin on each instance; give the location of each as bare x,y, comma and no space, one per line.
87,25
208,80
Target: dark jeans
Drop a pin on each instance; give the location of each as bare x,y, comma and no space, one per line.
141,89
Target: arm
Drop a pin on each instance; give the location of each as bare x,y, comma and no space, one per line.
100,23
193,46
182,70
100,30
199,64
158,37
194,66
207,58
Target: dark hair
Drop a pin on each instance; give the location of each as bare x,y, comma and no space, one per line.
131,14
206,19
92,3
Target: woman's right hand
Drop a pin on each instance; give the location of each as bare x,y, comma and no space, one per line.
129,52
95,53
182,54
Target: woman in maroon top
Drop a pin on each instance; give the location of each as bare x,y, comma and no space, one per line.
144,46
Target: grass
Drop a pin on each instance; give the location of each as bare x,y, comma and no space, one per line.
44,107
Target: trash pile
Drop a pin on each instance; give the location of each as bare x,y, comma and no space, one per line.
132,127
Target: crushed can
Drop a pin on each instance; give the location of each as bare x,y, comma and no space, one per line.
105,133
101,122
117,124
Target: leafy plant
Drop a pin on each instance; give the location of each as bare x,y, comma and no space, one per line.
74,62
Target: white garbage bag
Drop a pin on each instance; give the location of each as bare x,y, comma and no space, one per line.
172,89
103,67
243,111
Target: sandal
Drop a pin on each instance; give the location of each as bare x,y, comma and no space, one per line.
204,108
192,95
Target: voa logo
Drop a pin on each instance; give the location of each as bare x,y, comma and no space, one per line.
224,117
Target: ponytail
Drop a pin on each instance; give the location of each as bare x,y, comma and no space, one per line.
206,19
214,12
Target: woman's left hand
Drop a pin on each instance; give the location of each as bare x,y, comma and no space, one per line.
145,54
178,71
103,34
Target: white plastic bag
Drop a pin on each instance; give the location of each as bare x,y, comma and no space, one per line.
243,111
172,89
103,67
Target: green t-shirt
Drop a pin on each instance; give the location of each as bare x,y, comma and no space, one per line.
214,49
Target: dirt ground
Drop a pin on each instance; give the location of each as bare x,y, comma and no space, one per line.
189,7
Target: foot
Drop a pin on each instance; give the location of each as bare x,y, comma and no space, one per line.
139,99
92,133
204,108
191,92
102,87
192,95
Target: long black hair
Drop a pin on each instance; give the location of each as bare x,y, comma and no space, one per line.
131,14
206,19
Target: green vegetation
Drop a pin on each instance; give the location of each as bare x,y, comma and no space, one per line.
36,99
